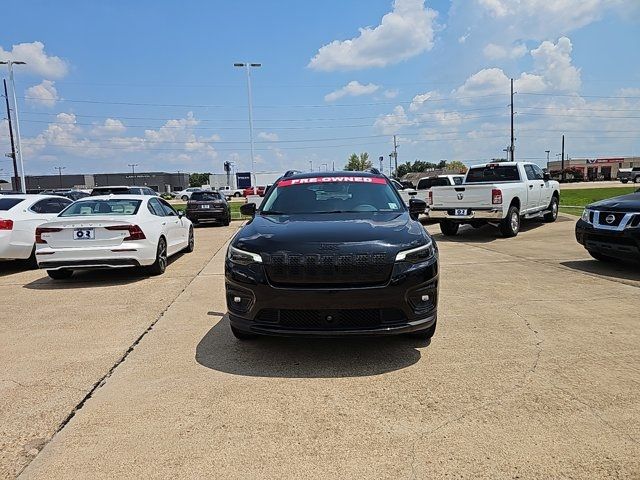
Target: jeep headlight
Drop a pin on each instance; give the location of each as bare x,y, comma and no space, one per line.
418,254
242,257
585,215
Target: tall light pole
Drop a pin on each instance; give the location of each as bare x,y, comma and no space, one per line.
248,66
60,174
311,165
10,64
133,171
547,152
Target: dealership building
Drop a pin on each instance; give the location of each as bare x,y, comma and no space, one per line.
159,181
597,168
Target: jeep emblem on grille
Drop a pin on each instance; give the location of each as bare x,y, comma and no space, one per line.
610,218
460,196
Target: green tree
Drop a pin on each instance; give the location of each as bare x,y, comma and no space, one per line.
358,163
198,179
457,166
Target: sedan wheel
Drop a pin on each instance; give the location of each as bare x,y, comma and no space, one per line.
160,265
185,198
192,241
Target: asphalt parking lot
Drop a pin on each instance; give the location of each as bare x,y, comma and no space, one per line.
533,373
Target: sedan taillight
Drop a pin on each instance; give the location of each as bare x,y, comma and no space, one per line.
41,230
135,232
6,224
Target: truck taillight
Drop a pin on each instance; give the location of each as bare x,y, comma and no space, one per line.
496,196
41,230
135,232
6,224
430,198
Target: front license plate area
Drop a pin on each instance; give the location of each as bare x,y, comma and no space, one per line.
206,206
84,233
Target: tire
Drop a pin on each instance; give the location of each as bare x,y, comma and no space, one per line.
553,210
191,244
185,198
425,334
160,265
60,274
227,221
600,257
237,194
637,179
510,225
625,180
449,228
31,262
241,334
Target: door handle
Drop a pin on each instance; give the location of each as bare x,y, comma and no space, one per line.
164,223
530,186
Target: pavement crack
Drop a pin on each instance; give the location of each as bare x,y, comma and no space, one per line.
118,362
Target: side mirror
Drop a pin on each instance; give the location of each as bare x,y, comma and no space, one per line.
180,213
416,207
546,176
248,209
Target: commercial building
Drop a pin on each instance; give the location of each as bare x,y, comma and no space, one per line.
158,181
596,168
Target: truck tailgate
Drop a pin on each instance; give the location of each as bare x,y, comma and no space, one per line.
462,196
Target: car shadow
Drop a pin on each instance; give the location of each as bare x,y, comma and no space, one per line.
488,233
615,270
267,356
9,267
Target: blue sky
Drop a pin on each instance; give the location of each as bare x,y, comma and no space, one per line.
113,83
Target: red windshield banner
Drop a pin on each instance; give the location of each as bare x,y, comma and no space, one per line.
302,181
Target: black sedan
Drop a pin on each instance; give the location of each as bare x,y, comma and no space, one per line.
332,255
610,229
208,206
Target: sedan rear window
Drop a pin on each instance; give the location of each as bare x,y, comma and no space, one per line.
86,208
9,203
205,196
493,173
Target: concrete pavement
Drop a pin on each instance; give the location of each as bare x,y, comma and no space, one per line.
532,374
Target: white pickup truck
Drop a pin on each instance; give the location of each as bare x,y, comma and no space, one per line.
228,192
500,193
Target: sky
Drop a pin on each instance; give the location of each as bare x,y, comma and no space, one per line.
152,83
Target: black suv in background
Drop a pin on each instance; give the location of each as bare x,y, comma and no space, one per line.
332,255
610,229
208,206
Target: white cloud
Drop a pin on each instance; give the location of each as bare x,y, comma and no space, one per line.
38,62
392,122
268,136
553,61
391,93
536,19
44,93
499,52
419,100
111,126
403,33
351,89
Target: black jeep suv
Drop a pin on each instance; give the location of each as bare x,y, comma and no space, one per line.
332,255
610,229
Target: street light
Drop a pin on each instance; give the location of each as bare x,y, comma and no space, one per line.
311,165
10,64
248,67
547,152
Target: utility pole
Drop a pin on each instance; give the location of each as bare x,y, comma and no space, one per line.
395,154
381,162
248,67
10,64
14,186
563,175
547,152
133,171
311,165
512,146
60,174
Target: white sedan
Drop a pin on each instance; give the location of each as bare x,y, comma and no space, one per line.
113,231
19,217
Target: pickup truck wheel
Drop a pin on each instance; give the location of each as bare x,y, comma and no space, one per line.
510,225
553,210
449,228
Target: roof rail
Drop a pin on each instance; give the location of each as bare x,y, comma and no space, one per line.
290,173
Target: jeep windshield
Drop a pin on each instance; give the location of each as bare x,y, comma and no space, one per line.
335,194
